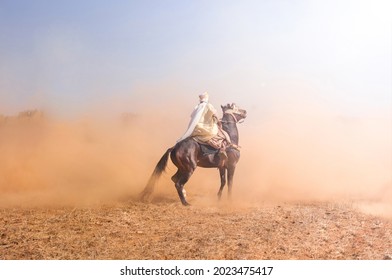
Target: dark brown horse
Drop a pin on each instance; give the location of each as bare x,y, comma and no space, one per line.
188,154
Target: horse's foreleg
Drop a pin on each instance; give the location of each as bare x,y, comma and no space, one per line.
222,173
230,176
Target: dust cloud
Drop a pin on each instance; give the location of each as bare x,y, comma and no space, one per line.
304,151
295,153
84,160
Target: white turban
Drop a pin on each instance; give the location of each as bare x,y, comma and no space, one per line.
203,97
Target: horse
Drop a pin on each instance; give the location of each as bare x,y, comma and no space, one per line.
188,154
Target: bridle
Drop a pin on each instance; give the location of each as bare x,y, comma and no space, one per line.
231,113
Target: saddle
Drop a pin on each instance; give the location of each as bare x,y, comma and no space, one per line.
207,149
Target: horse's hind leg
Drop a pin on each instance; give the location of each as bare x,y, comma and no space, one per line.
175,177
182,179
222,173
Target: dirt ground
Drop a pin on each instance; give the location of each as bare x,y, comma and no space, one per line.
164,229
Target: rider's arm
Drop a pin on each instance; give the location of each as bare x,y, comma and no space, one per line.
216,120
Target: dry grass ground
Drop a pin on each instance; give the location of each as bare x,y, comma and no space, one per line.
163,229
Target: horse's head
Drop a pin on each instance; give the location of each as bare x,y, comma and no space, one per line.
232,109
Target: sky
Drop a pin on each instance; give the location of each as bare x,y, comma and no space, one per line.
69,55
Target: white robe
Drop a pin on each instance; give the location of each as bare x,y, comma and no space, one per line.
196,116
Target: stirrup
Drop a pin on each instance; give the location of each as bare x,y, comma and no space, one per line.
223,155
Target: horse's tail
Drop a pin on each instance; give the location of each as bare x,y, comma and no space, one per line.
159,168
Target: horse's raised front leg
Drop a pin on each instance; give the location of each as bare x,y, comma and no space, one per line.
222,173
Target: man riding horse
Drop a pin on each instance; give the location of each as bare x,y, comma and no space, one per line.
192,149
206,128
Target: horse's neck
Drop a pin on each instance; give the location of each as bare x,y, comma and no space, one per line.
229,125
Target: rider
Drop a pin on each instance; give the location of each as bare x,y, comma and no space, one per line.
205,126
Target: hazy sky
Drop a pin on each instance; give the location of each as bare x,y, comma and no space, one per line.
70,54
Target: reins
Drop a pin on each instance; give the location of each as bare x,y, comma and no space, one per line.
234,117
235,122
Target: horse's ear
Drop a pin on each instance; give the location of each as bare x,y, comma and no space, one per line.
222,107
